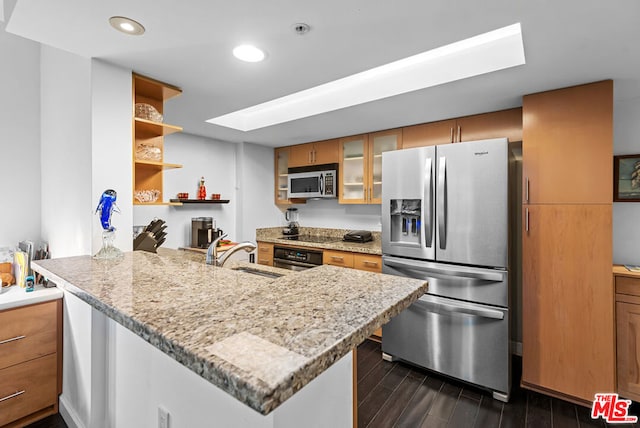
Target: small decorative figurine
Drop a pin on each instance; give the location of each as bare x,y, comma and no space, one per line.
202,191
105,207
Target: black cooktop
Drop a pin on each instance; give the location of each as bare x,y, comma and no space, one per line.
311,238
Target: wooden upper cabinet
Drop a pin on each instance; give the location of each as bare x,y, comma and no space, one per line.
505,123
428,134
567,145
361,165
281,158
318,153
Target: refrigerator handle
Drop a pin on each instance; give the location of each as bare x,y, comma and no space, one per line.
434,306
427,225
497,276
442,202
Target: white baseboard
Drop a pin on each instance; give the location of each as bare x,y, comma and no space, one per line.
69,414
516,348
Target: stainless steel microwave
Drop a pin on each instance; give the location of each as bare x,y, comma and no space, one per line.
318,181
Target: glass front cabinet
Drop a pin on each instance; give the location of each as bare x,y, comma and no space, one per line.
281,176
361,165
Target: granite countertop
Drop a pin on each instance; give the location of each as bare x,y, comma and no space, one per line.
274,235
258,339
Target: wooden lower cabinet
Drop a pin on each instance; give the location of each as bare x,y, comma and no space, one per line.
30,362
627,287
568,319
337,258
265,254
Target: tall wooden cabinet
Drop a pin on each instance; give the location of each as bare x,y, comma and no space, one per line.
148,140
568,326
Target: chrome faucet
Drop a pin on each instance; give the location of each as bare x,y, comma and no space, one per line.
212,251
247,246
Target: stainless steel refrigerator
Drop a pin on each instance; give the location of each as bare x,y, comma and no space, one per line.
445,218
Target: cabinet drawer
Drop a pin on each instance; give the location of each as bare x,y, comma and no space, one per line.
28,387
626,285
337,258
368,262
265,254
28,332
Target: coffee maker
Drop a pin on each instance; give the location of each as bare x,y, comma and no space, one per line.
203,232
292,229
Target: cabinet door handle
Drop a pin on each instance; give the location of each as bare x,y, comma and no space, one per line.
526,191
337,258
459,133
451,135
369,263
309,155
12,395
2,342
526,219
314,155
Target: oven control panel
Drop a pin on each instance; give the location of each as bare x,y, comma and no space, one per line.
298,255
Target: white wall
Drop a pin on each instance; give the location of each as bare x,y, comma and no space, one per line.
255,178
111,162
626,215
19,139
216,161
328,213
67,202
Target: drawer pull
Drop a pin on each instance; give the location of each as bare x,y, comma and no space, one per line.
13,339
337,258
264,249
367,262
8,397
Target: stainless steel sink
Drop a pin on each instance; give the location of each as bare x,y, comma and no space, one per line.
258,272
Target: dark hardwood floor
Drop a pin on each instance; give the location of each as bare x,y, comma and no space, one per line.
403,396
400,395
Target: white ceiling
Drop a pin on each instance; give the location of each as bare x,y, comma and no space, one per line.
188,44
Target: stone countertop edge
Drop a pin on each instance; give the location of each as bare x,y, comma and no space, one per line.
242,385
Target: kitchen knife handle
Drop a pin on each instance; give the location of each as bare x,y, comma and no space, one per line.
442,202
427,225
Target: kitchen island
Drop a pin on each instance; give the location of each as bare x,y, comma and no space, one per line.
260,340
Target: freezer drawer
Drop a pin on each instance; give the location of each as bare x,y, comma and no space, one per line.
463,340
480,285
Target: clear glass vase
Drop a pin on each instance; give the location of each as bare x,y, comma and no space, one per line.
108,251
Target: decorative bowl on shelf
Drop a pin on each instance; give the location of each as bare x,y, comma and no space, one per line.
147,112
146,196
148,152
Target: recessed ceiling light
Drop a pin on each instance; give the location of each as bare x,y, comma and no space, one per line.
248,53
126,25
496,50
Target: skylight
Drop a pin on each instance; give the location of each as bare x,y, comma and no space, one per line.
492,51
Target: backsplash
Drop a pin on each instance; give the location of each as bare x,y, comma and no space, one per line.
330,214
